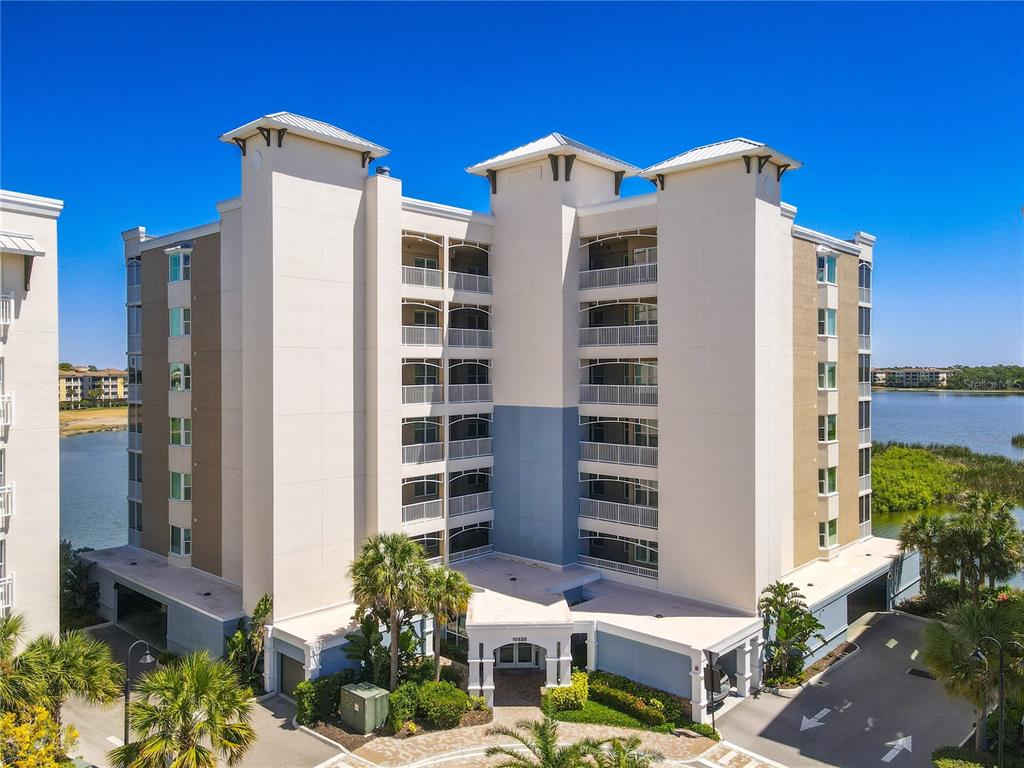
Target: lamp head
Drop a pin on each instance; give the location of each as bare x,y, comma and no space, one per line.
978,656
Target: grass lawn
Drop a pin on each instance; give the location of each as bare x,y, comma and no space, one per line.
595,712
84,420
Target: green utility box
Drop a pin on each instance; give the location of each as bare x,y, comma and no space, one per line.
363,707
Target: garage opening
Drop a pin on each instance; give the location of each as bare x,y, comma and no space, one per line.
873,596
141,616
292,674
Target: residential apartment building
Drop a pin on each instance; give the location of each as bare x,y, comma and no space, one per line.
911,377
620,417
29,456
107,386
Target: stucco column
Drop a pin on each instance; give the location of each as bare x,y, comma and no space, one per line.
559,664
756,661
744,665
481,671
269,660
313,660
591,649
698,696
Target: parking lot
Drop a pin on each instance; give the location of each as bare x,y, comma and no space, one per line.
870,710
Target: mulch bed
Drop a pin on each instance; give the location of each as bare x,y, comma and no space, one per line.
824,663
349,741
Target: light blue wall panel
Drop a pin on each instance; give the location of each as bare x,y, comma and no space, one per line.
644,663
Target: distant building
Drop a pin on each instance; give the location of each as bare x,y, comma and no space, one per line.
109,385
910,377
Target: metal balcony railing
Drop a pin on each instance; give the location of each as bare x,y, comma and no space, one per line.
431,278
6,410
6,309
472,502
134,441
864,436
619,335
863,389
865,482
864,295
635,274
864,342
423,510
466,554
615,453
470,337
134,393
135,490
422,393
421,335
6,593
6,504
468,449
611,565
463,281
614,512
134,294
469,393
619,394
421,453
134,343
864,529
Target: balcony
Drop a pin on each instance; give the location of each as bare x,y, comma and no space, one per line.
865,483
421,335
469,393
864,295
430,278
6,410
134,441
473,502
134,393
470,337
466,554
864,436
133,294
6,309
614,512
864,342
463,281
616,453
6,593
6,504
423,510
619,394
635,274
422,393
863,389
468,449
612,565
422,453
618,335
134,343
135,490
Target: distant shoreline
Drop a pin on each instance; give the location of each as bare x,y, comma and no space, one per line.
933,390
85,421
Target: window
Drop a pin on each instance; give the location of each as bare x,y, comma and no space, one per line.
425,262
864,369
864,510
181,377
828,534
134,321
864,275
826,375
181,486
3,466
181,541
424,373
179,265
646,553
135,467
181,431
425,317
827,481
3,557
134,270
647,255
180,321
135,516
826,322
864,321
864,462
135,419
827,428
864,414
134,369
826,269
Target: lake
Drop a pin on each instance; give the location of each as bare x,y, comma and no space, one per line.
94,489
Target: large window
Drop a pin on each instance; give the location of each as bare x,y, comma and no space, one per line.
134,271
135,516
647,255
864,414
828,534
864,369
135,467
181,541
181,431
864,321
827,428
826,322
864,275
827,481
135,419
181,377
181,486
180,321
179,266
826,269
827,376
864,511
134,321
864,462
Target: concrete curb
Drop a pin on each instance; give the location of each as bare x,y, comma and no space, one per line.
815,678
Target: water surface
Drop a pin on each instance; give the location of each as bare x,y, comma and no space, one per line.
94,489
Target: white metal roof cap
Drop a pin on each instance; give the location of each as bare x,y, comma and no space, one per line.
308,128
552,144
24,245
719,152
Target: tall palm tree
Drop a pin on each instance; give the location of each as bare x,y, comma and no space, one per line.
960,550
922,533
539,741
626,753
387,577
1002,555
188,715
446,596
18,684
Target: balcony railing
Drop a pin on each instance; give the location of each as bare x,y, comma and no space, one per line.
6,504
421,453
134,393
470,337
615,453
135,490
134,441
864,342
619,335
619,394
6,309
468,449
865,482
423,510
463,281
614,512
6,593
133,294
421,335
864,436
469,393
134,343
432,278
864,529
454,557
422,393
635,274
6,410
863,389
612,565
435,560
864,295
473,502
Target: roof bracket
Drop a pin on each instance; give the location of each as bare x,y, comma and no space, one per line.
554,167
366,159
569,160
618,181
492,176
280,136
29,260
661,181
746,162
761,160
241,145
265,133
779,170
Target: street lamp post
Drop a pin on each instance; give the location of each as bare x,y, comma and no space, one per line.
147,658
979,656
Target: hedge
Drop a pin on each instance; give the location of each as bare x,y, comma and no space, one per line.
402,705
442,704
626,702
573,697
317,700
964,757
673,707
651,706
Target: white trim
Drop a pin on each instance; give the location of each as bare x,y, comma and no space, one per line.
20,202
231,204
842,246
414,205
160,241
625,204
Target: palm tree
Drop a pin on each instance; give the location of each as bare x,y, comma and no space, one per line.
387,577
782,606
960,548
188,715
540,740
446,596
923,533
18,684
626,753
1002,555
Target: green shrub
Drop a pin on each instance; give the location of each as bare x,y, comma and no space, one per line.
1012,745
303,694
317,700
673,707
402,705
703,729
599,714
964,757
573,697
421,671
626,702
452,675
442,704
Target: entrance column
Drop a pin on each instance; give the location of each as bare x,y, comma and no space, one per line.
481,672
744,666
698,696
269,660
559,664
756,650
591,649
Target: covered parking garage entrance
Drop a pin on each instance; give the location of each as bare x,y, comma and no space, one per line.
141,615
869,598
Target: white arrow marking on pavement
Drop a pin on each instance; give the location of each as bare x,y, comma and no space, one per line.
807,723
897,746
115,741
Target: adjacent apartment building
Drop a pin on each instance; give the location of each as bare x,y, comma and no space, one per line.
621,417
29,455
108,386
911,377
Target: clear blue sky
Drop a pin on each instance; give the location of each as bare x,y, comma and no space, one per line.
909,120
